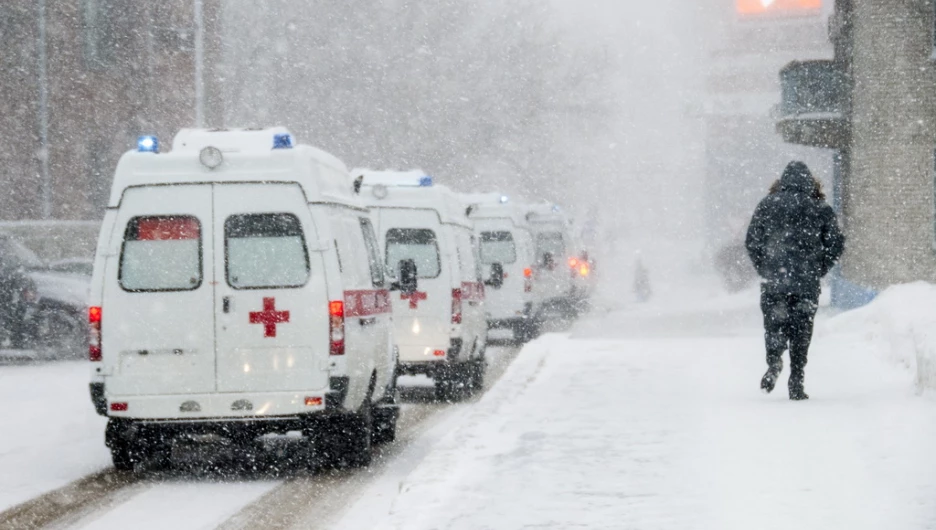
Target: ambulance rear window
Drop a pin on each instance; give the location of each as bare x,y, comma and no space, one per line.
161,253
498,247
549,243
265,251
417,244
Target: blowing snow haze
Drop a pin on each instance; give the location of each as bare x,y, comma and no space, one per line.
578,102
461,264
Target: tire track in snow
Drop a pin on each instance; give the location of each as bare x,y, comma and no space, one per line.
92,491
318,501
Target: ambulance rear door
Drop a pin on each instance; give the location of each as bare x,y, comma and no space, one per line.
272,303
158,299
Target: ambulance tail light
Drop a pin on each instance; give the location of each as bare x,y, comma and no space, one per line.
336,342
528,280
94,343
456,306
584,269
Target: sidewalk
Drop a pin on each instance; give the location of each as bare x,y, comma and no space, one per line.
654,432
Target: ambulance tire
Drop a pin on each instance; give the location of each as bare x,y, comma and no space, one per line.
385,424
476,375
527,331
344,440
126,453
454,384
385,414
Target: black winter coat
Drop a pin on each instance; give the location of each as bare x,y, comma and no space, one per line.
794,238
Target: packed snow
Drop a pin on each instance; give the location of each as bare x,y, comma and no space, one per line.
623,425
648,416
51,434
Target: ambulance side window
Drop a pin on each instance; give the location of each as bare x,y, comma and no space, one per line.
264,251
161,253
373,253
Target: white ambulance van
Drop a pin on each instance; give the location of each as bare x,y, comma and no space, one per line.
508,260
556,267
237,292
439,319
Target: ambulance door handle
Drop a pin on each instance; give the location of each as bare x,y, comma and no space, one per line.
226,304
368,321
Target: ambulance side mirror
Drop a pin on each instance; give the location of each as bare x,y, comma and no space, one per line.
496,281
408,282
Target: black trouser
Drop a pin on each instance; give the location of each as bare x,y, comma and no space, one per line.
788,322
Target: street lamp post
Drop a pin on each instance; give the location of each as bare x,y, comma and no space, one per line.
199,64
45,183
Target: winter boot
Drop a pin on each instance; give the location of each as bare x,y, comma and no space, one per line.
773,372
797,392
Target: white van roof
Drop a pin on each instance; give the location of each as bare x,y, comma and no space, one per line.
247,156
495,206
545,213
411,189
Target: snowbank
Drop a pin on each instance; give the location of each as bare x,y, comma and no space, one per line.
900,325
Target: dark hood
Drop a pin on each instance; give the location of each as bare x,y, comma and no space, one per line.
797,179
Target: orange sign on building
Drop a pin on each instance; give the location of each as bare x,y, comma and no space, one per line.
778,7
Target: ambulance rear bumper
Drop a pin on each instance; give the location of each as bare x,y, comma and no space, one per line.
187,408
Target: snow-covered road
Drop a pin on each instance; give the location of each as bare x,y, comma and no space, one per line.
643,418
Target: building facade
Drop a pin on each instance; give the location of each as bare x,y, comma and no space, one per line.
748,42
874,104
80,81
888,194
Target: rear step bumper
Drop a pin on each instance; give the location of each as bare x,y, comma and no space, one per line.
257,406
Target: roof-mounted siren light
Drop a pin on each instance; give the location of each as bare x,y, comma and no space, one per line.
504,199
555,208
282,141
147,144
425,181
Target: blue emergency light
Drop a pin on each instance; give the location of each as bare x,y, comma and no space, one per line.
504,199
282,141
425,181
147,144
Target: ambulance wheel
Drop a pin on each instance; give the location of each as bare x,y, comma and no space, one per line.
527,331
454,383
476,374
385,414
345,440
126,452
385,424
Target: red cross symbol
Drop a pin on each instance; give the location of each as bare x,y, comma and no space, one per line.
413,298
269,317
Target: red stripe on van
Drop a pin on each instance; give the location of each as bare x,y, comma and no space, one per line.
366,302
472,291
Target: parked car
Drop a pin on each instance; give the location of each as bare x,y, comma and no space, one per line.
40,309
78,266
18,294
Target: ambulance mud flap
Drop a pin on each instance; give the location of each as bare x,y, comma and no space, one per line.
337,392
98,399
454,348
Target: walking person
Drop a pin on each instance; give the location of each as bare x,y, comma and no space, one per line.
794,240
